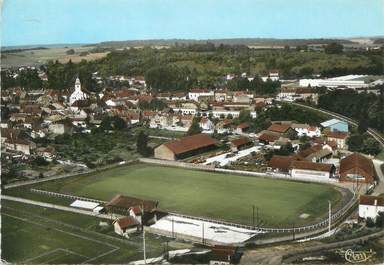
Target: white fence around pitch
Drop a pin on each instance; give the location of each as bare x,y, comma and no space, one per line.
67,196
334,218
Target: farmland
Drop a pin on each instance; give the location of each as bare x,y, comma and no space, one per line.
220,196
41,56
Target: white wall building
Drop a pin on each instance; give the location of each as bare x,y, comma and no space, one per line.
370,206
77,94
196,93
347,81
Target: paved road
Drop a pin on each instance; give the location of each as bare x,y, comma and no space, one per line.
276,255
380,187
57,207
371,131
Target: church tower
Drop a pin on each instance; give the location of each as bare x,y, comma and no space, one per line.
77,94
77,85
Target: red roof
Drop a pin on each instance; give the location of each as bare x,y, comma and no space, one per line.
190,143
126,222
357,164
266,137
311,166
243,125
125,202
280,128
371,200
146,98
337,135
137,210
280,162
240,141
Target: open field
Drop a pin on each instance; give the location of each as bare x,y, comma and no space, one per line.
41,56
34,234
381,155
221,196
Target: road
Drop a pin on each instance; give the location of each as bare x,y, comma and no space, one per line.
277,255
371,131
379,138
57,207
380,174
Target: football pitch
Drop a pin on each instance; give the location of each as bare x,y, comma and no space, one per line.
227,197
36,235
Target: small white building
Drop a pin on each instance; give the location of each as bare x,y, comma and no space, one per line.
346,81
206,124
194,94
306,130
370,206
126,225
58,128
310,170
273,75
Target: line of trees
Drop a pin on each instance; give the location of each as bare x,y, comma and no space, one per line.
28,79
367,108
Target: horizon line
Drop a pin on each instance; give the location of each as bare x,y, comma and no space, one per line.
195,39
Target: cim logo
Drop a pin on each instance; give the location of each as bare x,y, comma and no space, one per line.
353,256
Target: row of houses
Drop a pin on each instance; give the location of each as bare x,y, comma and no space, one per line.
352,168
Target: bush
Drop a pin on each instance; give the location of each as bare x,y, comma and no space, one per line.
369,222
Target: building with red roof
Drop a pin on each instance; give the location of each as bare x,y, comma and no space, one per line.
184,147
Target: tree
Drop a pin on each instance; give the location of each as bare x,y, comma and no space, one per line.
333,48
380,219
195,127
70,51
363,125
285,150
113,123
355,142
370,146
369,222
245,116
142,144
29,79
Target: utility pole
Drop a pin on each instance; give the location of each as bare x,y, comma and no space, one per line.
203,232
257,215
330,215
253,216
145,254
142,226
173,228
293,231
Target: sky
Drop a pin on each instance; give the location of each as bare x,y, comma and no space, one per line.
30,22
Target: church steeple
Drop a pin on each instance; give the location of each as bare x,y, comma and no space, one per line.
77,94
77,84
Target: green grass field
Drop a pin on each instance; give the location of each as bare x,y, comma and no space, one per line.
32,234
220,196
381,155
